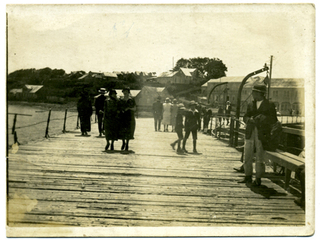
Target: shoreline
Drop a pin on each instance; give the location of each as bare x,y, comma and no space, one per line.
71,106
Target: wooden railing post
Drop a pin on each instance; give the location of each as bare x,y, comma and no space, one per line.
14,124
47,129
64,122
231,132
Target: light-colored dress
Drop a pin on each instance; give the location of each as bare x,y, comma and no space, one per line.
166,114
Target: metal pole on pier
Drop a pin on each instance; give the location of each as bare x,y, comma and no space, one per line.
265,68
47,129
64,123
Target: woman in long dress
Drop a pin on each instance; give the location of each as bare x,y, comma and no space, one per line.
166,114
111,119
127,119
84,107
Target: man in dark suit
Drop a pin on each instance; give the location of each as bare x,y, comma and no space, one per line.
157,109
99,105
260,116
192,124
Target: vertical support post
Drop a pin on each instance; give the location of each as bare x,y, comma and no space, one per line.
15,137
64,122
47,129
231,132
215,129
14,124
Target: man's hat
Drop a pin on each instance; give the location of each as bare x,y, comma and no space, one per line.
126,89
192,103
167,99
102,90
181,106
260,88
112,91
174,100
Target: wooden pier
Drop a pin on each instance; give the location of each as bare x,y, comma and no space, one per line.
69,180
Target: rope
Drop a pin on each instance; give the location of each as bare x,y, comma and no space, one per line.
43,122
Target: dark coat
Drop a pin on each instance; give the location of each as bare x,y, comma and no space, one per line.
192,121
264,118
99,103
157,109
84,107
111,119
127,119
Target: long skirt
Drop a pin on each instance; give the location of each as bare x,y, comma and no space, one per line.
85,123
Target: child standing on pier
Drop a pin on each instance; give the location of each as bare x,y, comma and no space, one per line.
178,128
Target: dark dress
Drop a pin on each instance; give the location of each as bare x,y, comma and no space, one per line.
127,119
111,119
84,107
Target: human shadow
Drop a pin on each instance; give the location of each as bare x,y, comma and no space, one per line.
264,190
278,179
118,151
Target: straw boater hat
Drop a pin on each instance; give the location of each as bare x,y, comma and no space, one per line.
102,90
262,88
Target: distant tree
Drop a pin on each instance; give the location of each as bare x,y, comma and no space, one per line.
215,68
182,63
210,67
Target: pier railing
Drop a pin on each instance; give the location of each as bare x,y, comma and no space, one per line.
225,128
63,120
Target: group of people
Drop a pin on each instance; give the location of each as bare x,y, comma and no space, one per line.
165,112
116,116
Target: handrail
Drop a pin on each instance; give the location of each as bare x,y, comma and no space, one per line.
265,68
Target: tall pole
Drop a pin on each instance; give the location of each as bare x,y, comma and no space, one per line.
270,76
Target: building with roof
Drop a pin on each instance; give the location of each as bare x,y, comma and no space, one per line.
148,95
30,92
182,76
286,93
15,94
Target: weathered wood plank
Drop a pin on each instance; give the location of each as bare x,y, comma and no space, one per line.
69,180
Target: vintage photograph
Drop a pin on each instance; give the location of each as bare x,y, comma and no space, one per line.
160,120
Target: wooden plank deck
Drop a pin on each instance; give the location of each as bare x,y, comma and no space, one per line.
69,180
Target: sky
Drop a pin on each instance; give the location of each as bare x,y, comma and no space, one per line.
152,38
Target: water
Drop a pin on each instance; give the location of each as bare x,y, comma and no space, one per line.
31,128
